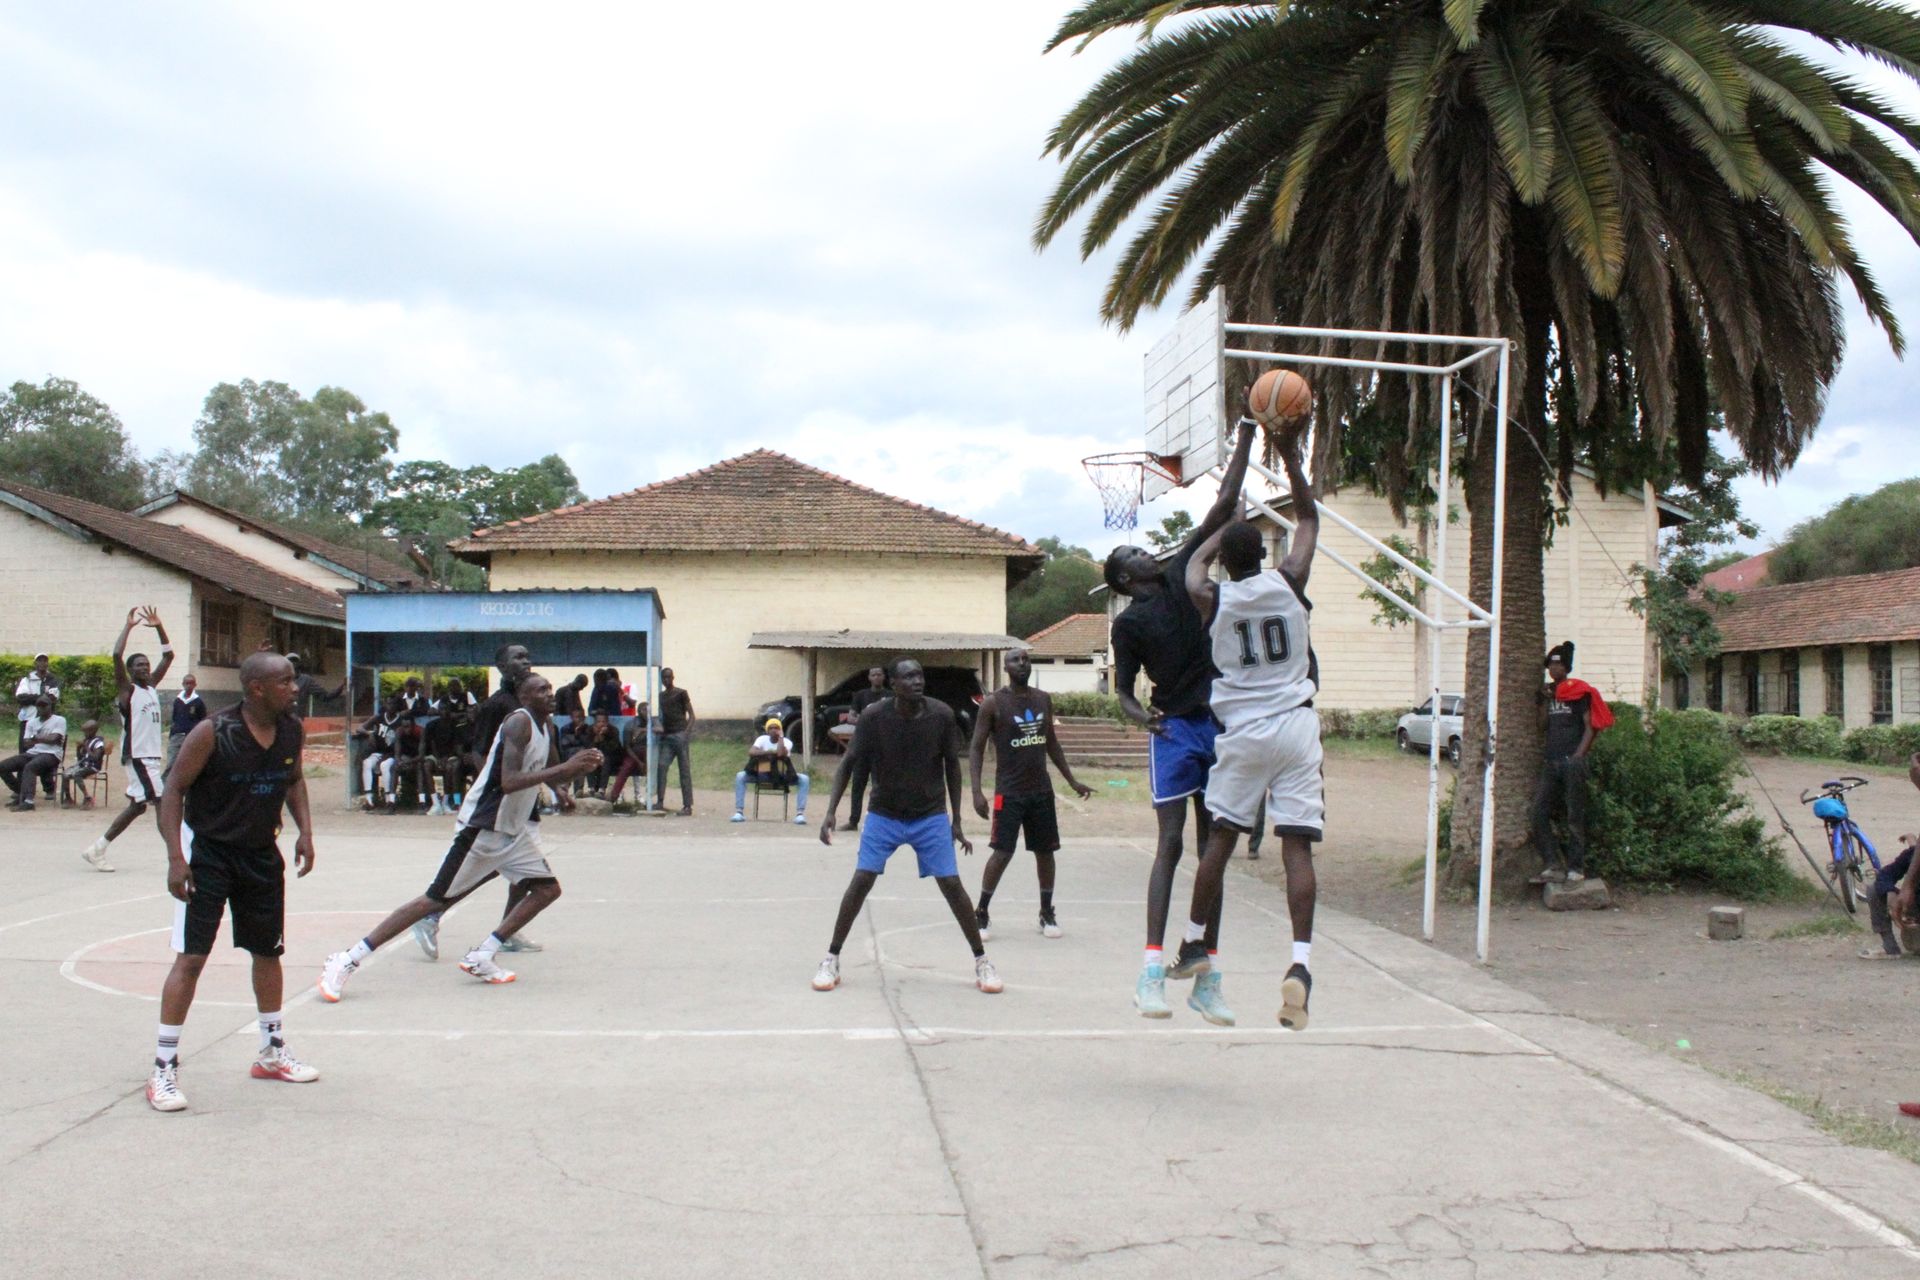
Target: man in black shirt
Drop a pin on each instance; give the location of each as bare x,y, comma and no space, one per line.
307,688
1163,632
1563,774
910,746
676,732
567,701
1018,720
234,775
876,691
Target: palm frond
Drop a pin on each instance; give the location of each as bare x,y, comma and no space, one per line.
1586,181
1513,77
1413,76
1689,48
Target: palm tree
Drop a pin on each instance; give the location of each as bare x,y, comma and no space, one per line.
1637,192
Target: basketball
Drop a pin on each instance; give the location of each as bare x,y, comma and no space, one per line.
1280,398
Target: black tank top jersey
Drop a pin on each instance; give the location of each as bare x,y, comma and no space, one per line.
237,798
1020,723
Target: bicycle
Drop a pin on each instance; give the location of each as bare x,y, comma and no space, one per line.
1845,840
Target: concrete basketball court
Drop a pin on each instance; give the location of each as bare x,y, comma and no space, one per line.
661,1094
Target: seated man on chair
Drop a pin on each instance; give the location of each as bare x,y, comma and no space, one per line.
771,758
45,739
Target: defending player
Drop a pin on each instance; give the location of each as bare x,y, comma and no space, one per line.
1018,720
909,745
234,774
145,749
1163,632
498,835
1269,744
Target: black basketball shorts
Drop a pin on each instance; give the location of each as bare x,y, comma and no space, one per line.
251,882
1035,814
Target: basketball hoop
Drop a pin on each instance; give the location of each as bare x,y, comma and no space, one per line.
1121,479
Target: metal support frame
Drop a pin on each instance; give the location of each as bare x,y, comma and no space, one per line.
1439,591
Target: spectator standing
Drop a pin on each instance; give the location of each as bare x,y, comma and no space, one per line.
676,732
567,701
875,691
1571,711
45,737
606,692
308,689
87,761
27,693
633,750
189,709
771,753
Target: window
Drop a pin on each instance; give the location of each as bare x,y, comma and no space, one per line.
1790,682
1451,706
1880,673
1750,679
1833,665
1910,691
1716,697
309,641
1682,691
219,634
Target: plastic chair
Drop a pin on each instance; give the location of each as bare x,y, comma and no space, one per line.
762,780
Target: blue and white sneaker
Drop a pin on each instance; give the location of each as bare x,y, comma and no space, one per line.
1150,992
426,932
1207,1001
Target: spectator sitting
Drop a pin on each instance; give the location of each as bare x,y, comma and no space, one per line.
448,744
87,762
381,733
567,701
771,756
189,709
633,755
27,693
46,744
604,738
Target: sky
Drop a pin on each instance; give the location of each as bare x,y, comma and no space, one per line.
644,237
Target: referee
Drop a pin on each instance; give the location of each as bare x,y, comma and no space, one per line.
234,774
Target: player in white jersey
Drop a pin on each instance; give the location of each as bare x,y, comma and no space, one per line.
1269,743
145,748
498,836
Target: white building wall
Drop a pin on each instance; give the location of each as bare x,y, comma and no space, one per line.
66,596
254,546
1056,675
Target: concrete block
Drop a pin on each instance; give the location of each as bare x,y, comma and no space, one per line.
1588,895
1726,924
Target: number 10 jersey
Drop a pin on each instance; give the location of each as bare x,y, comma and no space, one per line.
1260,645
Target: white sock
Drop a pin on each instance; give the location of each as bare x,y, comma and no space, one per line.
1214,958
359,951
269,1029
1155,955
1195,931
1301,952
491,945
167,1045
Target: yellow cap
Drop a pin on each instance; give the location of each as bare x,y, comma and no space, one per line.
773,722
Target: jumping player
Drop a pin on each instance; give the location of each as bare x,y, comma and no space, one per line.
905,745
1018,720
1162,631
498,835
145,748
1269,744
234,774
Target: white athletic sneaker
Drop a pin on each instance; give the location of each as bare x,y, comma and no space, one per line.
276,1063
799,819
1049,926
737,816
334,975
483,968
985,978
95,856
163,1088
426,932
828,975
521,942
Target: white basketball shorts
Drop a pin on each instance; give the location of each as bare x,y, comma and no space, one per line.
1276,757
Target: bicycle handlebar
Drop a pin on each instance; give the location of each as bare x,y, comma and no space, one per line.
1833,787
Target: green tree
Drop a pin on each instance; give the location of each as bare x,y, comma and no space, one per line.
1867,533
265,448
1172,532
1677,606
1636,193
56,436
434,503
1058,589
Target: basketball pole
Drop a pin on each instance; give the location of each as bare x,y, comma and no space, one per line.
1436,635
1484,923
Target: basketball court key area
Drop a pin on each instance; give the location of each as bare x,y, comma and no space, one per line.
661,1094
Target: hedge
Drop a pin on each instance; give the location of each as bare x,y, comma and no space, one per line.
86,684
474,678
1821,736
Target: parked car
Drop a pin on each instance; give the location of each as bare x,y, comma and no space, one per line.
958,687
1412,734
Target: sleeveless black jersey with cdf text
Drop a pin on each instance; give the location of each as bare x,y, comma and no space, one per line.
238,796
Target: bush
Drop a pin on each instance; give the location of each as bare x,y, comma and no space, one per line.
1663,810
1882,743
1791,735
86,684
474,678
1101,705
1338,722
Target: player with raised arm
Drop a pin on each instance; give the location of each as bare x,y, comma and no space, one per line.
1018,721
1269,744
145,747
909,746
498,835
1162,632
235,773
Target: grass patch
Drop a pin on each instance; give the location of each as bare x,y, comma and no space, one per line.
1854,1128
1818,927
1369,749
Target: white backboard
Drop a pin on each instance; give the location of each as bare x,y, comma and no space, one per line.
1186,395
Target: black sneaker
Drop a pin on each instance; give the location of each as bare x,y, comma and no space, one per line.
1192,962
1049,927
1295,990
980,922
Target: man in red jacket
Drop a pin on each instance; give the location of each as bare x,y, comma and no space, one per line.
1571,712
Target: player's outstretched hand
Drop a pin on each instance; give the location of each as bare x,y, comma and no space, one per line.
149,615
826,830
582,763
303,854
960,838
180,881
1081,789
980,807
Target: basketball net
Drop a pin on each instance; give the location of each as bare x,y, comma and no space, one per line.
1121,479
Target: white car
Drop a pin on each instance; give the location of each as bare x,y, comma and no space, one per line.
1412,733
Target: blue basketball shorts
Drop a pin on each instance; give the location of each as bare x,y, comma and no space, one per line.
1180,756
931,838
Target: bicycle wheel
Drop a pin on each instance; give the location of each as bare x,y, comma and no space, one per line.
1851,869
1840,868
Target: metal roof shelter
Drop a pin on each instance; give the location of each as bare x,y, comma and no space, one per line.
576,628
983,648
